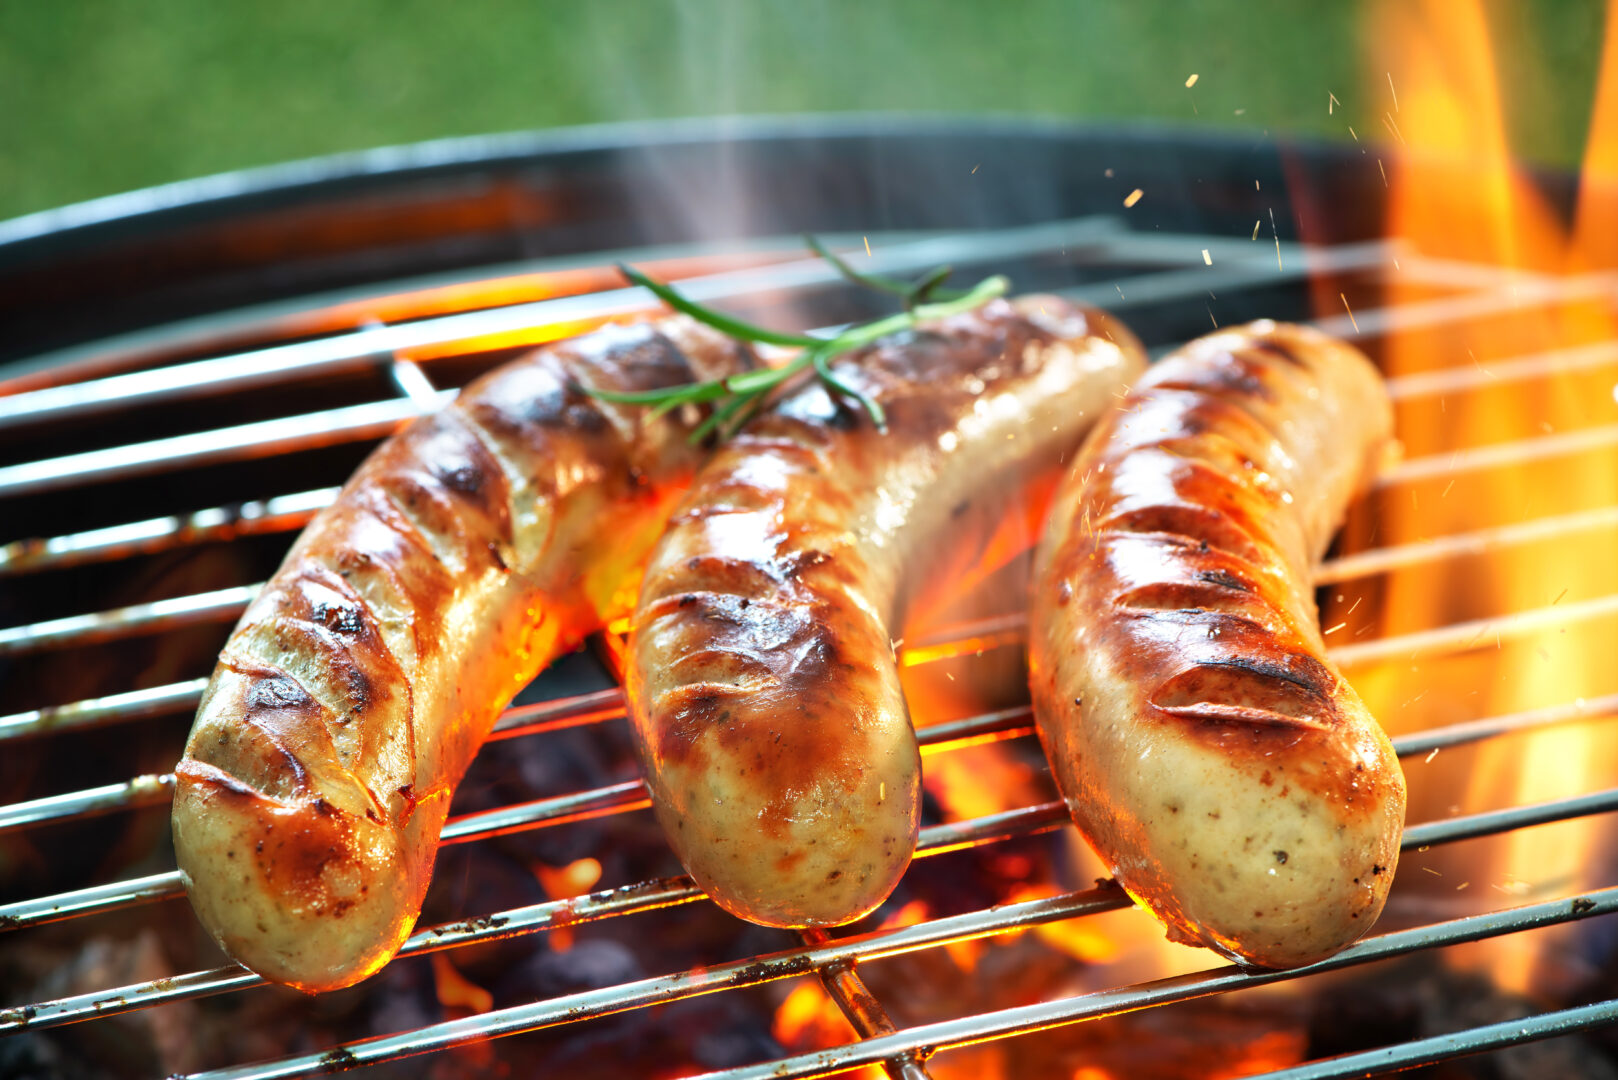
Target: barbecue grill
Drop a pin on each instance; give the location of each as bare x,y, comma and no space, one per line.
192,370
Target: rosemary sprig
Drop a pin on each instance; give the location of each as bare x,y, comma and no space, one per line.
742,395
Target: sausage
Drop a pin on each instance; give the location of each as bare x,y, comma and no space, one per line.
1208,749
465,554
764,693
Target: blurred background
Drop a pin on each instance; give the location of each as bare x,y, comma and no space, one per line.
100,96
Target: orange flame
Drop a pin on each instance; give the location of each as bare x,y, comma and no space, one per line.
562,883
1461,201
810,1020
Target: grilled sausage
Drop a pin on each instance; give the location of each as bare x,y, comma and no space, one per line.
763,688
465,554
1208,749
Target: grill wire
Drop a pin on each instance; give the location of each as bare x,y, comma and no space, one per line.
1171,273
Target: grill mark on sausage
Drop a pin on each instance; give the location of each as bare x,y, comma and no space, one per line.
1273,347
1225,579
1315,679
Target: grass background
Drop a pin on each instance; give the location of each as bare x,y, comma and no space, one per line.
101,96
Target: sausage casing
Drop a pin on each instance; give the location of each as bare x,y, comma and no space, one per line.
1208,749
763,687
465,554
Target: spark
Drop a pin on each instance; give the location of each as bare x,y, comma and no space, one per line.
1192,81
1241,112
1431,871
1350,311
1120,289
1430,756
1207,259
1357,600
867,240
1393,126
1277,234
1133,197
1447,487
1212,319
1331,102
1558,599
976,167
1384,169
1462,885
1255,183
1394,92
1351,131
1260,221
1334,629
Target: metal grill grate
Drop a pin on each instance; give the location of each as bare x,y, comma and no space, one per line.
1138,275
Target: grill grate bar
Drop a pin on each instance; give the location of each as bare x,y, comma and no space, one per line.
1542,365
1372,561
1439,1048
408,378
645,896
861,1008
276,363
305,431
927,1038
602,705
148,790
631,795
282,513
102,711
1237,267
1426,742
1515,292
371,420
1499,455
218,605
1462,636
1492,822
119,708
500,926
663,989
225,604
923,1039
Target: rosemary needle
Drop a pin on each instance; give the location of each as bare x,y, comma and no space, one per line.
912,293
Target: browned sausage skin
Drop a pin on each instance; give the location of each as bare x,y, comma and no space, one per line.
1209,751
763,688
464,555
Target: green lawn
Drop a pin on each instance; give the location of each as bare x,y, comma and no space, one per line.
99,96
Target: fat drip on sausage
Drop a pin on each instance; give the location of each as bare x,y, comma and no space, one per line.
1208,749
465,554
762,681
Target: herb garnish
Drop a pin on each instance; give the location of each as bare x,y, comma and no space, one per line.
739,396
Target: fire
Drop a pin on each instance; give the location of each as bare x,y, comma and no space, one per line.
562,883
809,1019
1460,201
